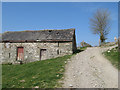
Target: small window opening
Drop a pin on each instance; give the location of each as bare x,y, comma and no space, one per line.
58,52
9,55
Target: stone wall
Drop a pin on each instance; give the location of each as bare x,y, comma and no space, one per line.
32,50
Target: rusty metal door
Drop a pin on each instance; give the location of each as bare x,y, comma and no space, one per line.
43,54
20,53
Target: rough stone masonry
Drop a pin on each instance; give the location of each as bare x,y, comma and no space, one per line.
29,46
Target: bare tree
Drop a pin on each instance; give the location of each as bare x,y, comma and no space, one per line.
100,23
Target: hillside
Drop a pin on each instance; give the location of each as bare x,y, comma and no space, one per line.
40,74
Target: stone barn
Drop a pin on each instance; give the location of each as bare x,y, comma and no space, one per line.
29,46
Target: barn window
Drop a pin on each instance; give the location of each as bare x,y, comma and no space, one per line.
9,55
58,52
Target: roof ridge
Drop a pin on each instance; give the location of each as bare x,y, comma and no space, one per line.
40,30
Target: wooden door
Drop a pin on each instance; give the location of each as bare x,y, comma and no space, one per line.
20,53
43,54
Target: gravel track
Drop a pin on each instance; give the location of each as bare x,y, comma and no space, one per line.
90,69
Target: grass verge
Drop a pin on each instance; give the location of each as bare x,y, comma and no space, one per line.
113,55
42,74
83,48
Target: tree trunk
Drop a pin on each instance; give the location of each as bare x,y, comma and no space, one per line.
102,38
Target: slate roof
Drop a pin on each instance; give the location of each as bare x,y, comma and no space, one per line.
40,35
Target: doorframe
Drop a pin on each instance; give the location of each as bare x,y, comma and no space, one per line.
40,52
17,52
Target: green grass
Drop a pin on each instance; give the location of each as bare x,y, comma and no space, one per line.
112,55
79,49
44,74
83,48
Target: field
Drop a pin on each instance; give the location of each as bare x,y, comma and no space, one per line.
39,74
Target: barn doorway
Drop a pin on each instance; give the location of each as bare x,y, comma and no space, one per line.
20,53
43,53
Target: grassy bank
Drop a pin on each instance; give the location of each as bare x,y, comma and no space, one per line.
83,48
112,55
42,74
